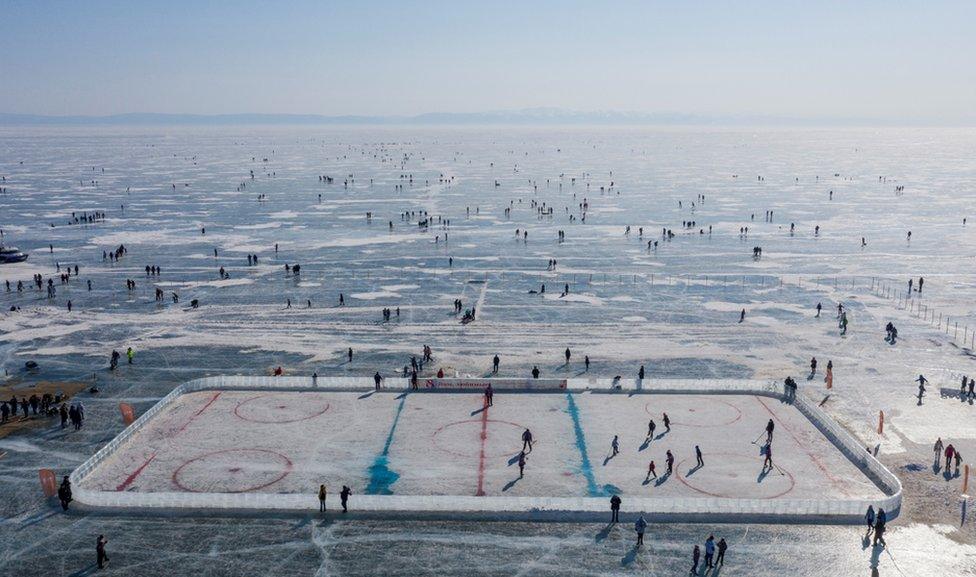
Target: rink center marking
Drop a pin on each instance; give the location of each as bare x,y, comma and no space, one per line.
381,477
585,466
198,413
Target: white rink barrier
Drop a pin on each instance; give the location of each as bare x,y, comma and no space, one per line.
551,508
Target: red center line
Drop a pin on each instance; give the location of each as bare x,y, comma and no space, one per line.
197,414
816,460
481,457
128,480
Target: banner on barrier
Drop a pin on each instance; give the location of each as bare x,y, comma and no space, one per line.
497,384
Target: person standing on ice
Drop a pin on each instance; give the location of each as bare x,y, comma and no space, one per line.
322,495
568,355
527,440
813,366
949,452
938,452
494,365
130,354
769,431
615,509
377,378
651,471
640,373
920,281
818,310
614,446
669,459
639,526
521,464
722,546
650,429
698,455
350,354
742,315
695,557
709,551
535,372
586,363
869,517
100,554
489,395
667,423
344,497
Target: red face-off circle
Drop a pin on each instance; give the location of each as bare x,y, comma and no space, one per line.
279,409
725,471
696,411
232,471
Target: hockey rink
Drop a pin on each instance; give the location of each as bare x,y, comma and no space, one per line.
450,444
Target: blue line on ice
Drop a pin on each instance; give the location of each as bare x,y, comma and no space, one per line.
381,478
585,467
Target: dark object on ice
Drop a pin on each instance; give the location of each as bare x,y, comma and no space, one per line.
194,303
10,254
30,365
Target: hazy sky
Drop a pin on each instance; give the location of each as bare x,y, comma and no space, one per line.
889,59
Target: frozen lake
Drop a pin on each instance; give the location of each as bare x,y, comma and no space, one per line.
673,308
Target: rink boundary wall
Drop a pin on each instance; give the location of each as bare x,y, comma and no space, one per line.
534,508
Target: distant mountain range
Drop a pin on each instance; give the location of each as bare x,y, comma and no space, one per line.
529,116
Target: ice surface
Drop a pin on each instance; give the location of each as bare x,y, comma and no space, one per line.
679,319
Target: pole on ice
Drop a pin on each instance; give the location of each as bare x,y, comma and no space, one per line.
965,478
880,422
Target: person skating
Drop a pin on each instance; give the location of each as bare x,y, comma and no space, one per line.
768,462
651,471
614,446
615,508
709,551
100,554
698,455
667,423
819,307
742,315
769,431
669,459
344,497
921,387
489,395
650,430
527,440
722,546
521,464
938,452
640,526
